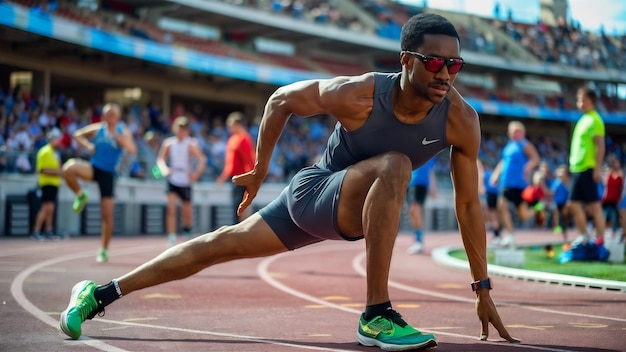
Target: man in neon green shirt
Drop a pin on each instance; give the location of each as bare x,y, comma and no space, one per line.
585,163
49,170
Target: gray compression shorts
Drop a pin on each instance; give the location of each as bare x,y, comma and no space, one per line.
305,212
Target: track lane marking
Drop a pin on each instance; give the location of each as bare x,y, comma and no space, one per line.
356,264
265,274
17,292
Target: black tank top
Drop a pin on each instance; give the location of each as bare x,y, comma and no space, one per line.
383,132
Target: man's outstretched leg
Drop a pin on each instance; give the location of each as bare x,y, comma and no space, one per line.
370,204
248,239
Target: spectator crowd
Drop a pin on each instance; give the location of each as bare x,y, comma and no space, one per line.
25,119
565,43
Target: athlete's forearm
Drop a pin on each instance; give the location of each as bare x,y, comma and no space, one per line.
83,141
52,172
127,142
201,166
274,119
473,236
600,151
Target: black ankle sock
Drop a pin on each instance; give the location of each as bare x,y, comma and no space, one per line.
376,310
186,229
106,294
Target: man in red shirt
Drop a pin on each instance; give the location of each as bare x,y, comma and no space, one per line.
239,157
613,181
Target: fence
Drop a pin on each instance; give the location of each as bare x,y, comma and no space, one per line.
140,207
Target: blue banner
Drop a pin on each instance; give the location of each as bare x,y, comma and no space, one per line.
48,25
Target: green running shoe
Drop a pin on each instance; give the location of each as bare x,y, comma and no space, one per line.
80,202
82,306
391,333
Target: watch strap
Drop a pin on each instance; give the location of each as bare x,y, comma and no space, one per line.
485,283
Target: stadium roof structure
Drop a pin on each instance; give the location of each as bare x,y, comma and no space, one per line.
307,36
251,22
28,32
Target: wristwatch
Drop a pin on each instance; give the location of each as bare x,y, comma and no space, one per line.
486,283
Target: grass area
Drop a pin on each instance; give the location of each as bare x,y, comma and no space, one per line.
537,259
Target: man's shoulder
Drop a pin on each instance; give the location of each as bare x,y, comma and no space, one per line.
97,124
169,140
46,149
463,125
458,104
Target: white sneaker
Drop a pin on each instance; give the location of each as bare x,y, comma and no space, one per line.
508,241
103,256
496,241
171,239
582,239
415,248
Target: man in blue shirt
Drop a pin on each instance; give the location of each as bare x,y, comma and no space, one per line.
105,141
519,159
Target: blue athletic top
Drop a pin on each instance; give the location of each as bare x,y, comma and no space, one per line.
489,189
107,152
560,192
513,161
383,132
420,176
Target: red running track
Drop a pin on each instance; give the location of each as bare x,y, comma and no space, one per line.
306,300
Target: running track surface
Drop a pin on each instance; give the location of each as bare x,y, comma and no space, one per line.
306,300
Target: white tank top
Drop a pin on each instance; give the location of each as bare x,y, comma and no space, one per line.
180,162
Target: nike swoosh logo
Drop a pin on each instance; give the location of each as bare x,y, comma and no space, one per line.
427,142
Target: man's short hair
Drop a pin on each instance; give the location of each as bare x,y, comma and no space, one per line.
53,134
111,106
413,31
235,117
517,125
589,93
180,122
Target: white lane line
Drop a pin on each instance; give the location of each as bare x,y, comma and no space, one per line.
263,272
223,334
17,290
356,264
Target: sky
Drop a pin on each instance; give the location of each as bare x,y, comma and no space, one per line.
590,13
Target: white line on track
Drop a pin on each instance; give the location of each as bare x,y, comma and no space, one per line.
222,334
356,264
17,290
263,271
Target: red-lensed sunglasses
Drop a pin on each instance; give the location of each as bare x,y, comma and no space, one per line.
434,64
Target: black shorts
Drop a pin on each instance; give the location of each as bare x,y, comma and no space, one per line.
183,192
105,181
492,200
513,195
419,194
49,193
305,212
583,188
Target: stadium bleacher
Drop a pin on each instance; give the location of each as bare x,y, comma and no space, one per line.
122,17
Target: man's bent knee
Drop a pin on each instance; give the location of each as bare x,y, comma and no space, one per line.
395,165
